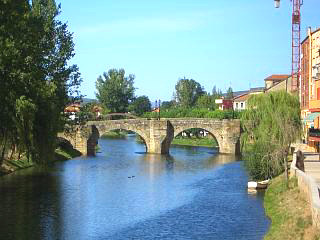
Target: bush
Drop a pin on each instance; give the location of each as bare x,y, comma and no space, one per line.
178,112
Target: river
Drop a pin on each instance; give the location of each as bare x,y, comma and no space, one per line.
124,193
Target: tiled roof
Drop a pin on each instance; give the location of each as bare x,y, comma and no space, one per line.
277,77
257,89
241,98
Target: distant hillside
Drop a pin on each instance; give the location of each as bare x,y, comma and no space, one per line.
88,100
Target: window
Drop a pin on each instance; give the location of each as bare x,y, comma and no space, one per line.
237,105
242,105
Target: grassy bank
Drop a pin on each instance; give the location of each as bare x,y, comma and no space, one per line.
289,212
115,134
201,142
62,153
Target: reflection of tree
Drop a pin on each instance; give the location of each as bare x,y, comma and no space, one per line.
156,164
32,205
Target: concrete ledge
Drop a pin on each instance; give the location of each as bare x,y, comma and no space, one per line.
309,187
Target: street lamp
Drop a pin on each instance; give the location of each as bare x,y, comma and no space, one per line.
158,108
276,3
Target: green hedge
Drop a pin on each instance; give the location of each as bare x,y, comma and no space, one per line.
194,113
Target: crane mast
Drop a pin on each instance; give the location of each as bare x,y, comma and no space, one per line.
296,47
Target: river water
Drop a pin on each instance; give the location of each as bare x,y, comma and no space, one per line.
124,193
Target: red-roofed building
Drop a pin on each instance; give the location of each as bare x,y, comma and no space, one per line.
240,102
275,79
224,104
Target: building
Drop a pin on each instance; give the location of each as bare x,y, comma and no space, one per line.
224,104
274,80
240,102
310,88
284,84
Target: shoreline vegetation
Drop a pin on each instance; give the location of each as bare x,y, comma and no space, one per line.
195,142
62,153
288,210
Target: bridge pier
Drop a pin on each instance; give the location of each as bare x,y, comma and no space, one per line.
160,137
158,134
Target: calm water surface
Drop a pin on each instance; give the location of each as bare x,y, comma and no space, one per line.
124,193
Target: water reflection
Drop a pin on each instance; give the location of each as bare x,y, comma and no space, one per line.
98,198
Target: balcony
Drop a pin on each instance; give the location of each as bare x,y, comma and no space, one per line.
314,132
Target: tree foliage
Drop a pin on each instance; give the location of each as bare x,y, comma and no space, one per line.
167,104
140,105
271,124
229,94
216,93
35,49
187,92
206,101
179,112
114,90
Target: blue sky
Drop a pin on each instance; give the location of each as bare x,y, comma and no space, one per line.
215,42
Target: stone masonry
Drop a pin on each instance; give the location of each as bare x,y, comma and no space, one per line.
158,134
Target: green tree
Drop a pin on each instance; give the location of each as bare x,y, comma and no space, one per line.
229,93
35,49
140,105
187,92
216,93
271,123
25,114
167,104
114,90
206,101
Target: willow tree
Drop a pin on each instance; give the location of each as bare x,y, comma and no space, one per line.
35,74
271,124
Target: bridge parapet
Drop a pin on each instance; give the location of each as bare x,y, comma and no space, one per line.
158,134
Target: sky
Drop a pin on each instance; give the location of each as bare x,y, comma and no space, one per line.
220,43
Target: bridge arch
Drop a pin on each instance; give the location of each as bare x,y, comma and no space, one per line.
214,133
226,132
180,130
100,129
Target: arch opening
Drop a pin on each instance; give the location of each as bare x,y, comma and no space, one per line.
195,137
66,148
114,133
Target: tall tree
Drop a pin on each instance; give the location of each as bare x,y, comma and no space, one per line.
188,91
57,81
216,93
229,93
271,123
206,101
114,90
140,105
35,49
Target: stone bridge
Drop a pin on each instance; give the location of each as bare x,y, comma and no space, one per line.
158,134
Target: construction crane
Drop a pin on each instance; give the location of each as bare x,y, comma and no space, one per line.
296,48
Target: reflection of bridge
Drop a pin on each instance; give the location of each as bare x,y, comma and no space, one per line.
158,134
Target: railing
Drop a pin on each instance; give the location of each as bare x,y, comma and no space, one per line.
314,132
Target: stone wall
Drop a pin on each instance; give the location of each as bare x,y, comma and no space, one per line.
77,140
309,187
158,134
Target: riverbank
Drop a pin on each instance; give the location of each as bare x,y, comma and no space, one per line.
289,212
62,153
196,142
115,134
